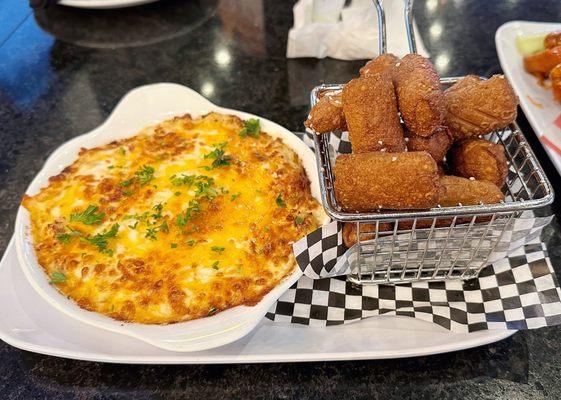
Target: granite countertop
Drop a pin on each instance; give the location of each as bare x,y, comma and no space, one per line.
63,70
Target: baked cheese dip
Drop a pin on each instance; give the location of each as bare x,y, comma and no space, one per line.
188,218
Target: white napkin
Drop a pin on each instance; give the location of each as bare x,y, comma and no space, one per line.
324,28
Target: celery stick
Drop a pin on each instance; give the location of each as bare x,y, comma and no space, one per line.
530,44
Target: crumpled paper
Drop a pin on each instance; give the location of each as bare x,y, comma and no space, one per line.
325,28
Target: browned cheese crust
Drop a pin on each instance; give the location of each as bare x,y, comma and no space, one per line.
455,190
481,107
437,144
480,159
541,63
372,181
327,114
552,39
370,109
380,64
420,98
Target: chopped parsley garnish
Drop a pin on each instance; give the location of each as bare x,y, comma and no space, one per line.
173,245
126,183
184,217
66,237
235,196
145,174
177,193
151,233
215,264
280,202
205,189
218,249
251,128
88,217
122,151
191,242
133,226
179,180
220,159
111,167
298,220
163,227
127,192
158,208
100,240
58,277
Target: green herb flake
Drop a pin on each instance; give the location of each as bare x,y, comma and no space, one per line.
235,196
218,249
164,227
151,233
57,277
215,265
189,213
280,202
145,174
158,208
126,183
220,159
251,127
127,193
212,311
88,217
177,193
100,240
191,242
64,238
133,226
122,151
111,167
173,245
298,220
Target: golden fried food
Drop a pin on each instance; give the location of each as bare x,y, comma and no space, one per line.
466,81
327,114
552,39
368,231
370,110
541,63
480,159
437,144
480,107
555,77
455,190
420,98
382,63
377,180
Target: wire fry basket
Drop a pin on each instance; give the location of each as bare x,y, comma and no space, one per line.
441,243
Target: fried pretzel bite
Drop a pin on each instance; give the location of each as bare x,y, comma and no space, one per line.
480,159
541,63
555,77
382,63
367,230
373,181
419,96
370,110
455,190
437,144
327,114
481,107
552,39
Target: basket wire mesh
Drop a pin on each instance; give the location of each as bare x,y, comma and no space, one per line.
441,243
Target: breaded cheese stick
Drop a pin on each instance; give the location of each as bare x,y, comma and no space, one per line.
543,62
437,144
466,81
377,180
368,231
455,190
383,63
480,107
370,110
420,99
480,159
327,114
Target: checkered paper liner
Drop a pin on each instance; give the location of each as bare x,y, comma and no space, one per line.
517,291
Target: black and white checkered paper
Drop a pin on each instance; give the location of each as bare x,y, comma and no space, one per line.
518,290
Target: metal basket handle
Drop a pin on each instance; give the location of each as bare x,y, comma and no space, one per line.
382,44
409,26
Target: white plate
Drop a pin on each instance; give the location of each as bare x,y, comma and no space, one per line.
103,3
141,107
541,109
29,323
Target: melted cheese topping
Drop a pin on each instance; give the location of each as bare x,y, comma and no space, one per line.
181,221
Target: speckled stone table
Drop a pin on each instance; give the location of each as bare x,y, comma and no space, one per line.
62,71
